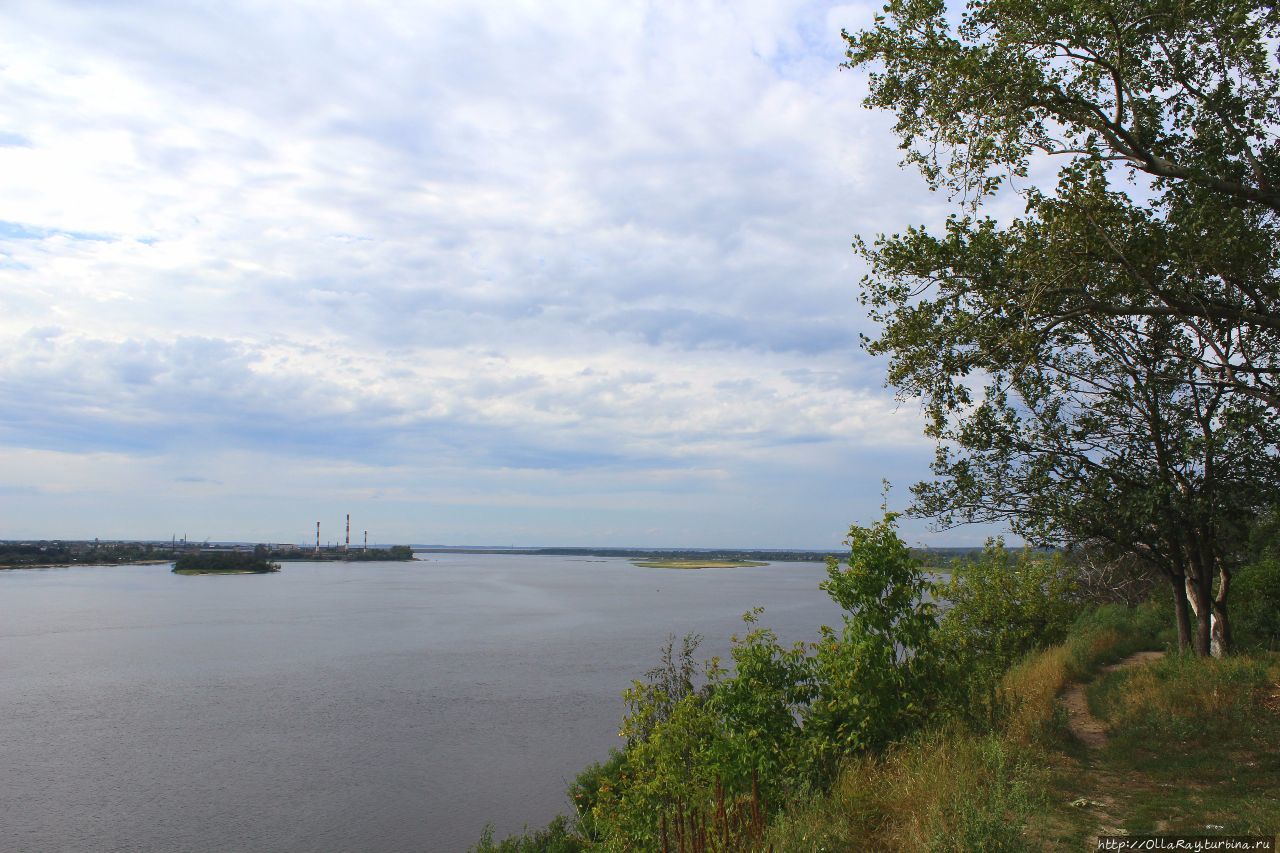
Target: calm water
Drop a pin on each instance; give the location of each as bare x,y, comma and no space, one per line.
377,706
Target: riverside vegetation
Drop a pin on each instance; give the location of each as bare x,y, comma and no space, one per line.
1100,375
696,564
929,719
223,563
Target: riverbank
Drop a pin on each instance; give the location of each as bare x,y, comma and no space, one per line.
696,564
1181,746
1022,718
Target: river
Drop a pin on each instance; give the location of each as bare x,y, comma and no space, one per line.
336,706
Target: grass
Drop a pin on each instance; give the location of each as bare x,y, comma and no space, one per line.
1194,744
949,790
696,564
953,788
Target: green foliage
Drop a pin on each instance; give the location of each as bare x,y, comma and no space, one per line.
593,789
776,724
1184,91
877,678
223,561
1256,614
1001,607
652,700
671,769
1264,538
557,837
1102,368
759,707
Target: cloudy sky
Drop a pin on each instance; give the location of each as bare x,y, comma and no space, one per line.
504,273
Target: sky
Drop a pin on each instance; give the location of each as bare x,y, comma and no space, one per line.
502,273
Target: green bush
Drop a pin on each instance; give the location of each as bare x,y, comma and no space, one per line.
775,726
876,680
594,785
557,837
1000,607
224,561
1255,605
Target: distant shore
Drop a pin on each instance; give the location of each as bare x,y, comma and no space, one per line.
4,567
696,564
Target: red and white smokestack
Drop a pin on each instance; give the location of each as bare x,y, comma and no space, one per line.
347,546
366,540
317,537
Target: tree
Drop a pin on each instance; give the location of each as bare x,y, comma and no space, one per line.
1184,94
877,678
1093,427
1101,369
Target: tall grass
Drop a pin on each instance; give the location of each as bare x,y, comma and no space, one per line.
1180,694
961,787
946,790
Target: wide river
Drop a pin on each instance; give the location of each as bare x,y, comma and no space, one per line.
336,706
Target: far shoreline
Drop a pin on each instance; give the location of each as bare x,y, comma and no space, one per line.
694,565
89,565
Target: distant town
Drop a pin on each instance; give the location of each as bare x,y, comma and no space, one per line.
59,552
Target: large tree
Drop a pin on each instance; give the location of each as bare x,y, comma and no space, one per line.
1104,367
1181,97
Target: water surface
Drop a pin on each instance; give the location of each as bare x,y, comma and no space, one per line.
335,706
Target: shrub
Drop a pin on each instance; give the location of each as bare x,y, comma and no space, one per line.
1255,605
557,837
878,678
1000,607
594,785
776,726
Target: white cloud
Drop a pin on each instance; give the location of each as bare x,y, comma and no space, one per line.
543,254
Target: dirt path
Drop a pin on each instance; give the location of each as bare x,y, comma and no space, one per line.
1087,728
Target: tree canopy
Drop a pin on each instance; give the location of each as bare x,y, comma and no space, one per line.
1181,98
1101,368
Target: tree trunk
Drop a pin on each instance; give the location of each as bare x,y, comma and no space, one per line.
1181,613
1220,639
1200,601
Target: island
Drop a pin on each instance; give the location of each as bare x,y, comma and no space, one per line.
696,564
402,553
223,563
